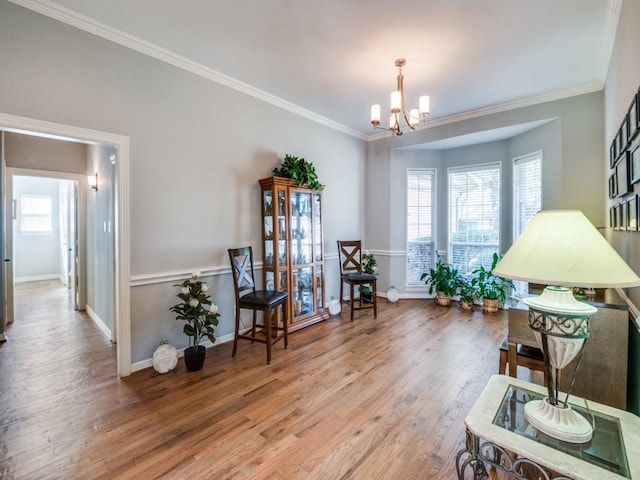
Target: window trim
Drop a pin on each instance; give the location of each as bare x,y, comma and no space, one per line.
434,217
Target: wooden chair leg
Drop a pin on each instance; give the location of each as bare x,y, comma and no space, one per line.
284,308
374,292
341,293
267,323
235,337
352,300
502,366
253,327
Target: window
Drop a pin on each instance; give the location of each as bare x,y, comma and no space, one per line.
420,219
527,198
35,214
474,216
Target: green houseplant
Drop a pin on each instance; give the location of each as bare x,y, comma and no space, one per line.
369,265
299,170
443,279
200,315
467,293
492,289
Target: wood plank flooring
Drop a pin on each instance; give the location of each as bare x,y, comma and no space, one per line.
372,399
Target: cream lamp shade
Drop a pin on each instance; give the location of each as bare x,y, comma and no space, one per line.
562,247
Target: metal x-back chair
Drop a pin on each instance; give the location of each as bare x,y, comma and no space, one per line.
350,256
248,297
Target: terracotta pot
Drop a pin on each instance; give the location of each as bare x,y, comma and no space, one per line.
443,299
194,359
490,305
466,305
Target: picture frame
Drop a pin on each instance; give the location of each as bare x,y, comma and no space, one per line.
612,186
634,164
613,153
613,217
618,140
624,131
632,118
632,213
623,186
622,215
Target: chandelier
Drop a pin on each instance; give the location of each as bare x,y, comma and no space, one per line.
411,117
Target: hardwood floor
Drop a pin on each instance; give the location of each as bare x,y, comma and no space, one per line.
372,399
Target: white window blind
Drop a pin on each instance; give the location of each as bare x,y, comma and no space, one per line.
35,214
474,216
420,219
527,198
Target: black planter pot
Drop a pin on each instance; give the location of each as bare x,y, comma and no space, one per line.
194,359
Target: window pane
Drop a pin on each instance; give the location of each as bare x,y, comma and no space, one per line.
474,216
420,194
35,213
527,197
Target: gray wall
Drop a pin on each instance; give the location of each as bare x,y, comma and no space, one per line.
28,151
571,140
100,235
194,163
36,255
623,79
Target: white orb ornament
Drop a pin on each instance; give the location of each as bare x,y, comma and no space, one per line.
334,307
392,295
165,358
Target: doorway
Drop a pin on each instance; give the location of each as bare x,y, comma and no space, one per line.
120,205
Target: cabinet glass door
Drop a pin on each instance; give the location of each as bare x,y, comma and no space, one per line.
301,228
302,291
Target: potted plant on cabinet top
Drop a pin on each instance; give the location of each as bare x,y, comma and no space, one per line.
201,317
492,289
467,293
443,280
299,170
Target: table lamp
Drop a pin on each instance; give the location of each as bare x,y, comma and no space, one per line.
562,249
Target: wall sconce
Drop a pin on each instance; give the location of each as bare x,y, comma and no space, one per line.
93,181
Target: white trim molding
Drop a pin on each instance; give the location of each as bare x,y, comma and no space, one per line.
98,321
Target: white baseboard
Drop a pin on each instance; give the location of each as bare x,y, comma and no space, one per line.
37,278
141,365
98,321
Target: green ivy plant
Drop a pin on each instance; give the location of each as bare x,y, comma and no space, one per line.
299,170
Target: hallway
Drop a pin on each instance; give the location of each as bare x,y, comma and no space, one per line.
53,355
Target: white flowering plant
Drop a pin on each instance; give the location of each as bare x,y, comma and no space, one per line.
197,310
369,265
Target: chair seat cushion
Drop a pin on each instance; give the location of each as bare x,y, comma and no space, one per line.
262,298
358,277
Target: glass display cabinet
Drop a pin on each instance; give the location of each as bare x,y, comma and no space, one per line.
293,259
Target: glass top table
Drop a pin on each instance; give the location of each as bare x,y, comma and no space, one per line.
498,435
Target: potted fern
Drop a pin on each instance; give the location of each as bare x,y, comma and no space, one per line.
467,293
200,315
492,289
443,279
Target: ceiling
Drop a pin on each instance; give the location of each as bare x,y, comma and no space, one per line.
331,59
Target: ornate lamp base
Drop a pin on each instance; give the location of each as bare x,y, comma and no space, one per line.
562,423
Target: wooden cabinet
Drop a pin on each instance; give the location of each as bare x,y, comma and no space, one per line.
292,252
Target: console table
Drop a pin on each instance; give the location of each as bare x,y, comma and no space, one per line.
498,437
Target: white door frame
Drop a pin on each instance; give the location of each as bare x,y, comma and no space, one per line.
122,320
82,218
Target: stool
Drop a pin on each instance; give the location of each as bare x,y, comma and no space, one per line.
528,357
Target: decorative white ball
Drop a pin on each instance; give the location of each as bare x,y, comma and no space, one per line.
165,358
334,307
392,295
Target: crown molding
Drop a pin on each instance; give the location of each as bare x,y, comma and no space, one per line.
503,107
610,36
132,42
